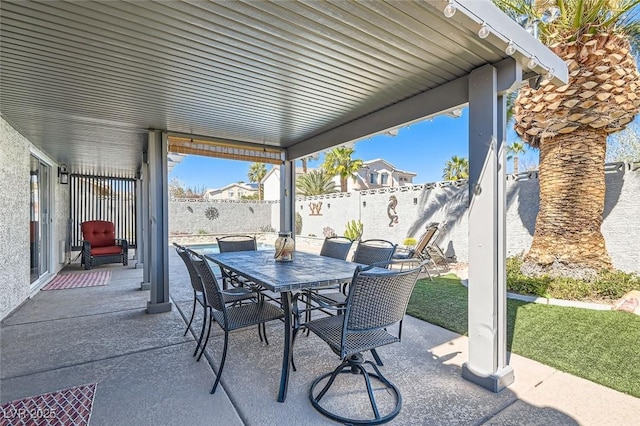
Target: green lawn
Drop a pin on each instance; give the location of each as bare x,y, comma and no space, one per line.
600,346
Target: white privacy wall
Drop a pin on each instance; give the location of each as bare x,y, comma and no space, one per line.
445,202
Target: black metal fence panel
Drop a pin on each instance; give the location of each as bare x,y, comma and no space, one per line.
102,198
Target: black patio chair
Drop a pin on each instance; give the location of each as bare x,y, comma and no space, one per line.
336,247
230,318
231,243
377,300
235,295
367,252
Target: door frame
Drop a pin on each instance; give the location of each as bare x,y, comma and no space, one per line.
44,278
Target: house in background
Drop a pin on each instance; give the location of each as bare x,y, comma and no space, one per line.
374,174
378,173
271,183
233,191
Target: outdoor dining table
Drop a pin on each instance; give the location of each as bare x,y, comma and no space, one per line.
306,271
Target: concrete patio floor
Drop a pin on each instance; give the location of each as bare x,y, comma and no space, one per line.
145,373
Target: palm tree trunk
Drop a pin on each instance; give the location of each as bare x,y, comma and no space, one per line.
343,184
572,191
515,165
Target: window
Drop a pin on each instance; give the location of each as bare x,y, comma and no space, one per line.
230,194
384,179
373,178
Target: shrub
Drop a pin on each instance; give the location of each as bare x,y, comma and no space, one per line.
202,231
354,230
328,232
409,242
607,285
298,223
267,228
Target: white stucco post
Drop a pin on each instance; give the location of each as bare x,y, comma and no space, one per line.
144,239
158,223
138,204
487,276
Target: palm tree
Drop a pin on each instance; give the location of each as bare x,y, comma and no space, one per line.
456,168
570,123
257,172
513,150
338,162
316,182
305,160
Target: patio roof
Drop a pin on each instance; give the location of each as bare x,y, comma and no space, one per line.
84,81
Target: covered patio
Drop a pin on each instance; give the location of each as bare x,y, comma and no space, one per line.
110,88
145,373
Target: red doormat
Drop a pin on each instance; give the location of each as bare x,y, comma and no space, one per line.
68,407
86,279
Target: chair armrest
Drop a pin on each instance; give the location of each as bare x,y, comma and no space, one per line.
122,242
402,253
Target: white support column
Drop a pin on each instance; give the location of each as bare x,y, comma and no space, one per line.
144,238
158,223
288,197
487,291
139,245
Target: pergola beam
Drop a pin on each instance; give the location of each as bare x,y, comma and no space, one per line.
446,97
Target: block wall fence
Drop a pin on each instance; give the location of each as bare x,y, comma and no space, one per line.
397,213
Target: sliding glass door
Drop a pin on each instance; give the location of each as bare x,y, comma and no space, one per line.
40,220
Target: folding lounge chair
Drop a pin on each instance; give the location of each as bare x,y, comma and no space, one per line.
423,249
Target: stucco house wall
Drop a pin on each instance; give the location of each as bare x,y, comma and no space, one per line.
15,282
14,216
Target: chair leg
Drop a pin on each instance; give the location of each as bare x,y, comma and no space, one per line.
307,314
206,340
264,332
193,313
345,364
377,357
356,364
260,332
372,398
205,317
224,357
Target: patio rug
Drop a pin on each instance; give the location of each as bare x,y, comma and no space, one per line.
83,279
68,407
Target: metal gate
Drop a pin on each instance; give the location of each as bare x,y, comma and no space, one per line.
102,198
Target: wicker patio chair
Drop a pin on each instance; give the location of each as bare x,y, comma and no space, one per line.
231,243
100,245
377,300
229,318
233,296
336,247
367,252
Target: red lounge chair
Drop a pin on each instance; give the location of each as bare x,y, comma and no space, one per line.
100,245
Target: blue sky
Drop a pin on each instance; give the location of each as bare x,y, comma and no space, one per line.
422,148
